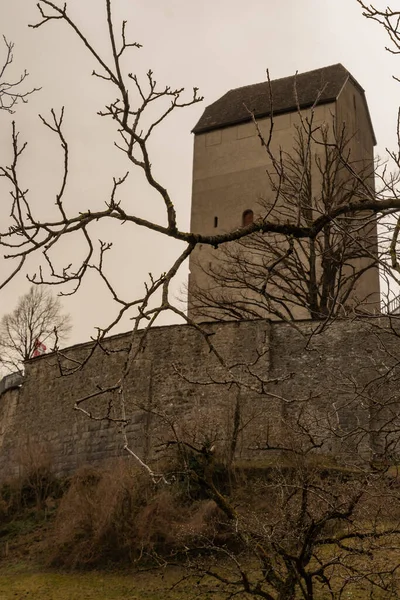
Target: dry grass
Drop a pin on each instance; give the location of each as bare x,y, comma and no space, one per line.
96,586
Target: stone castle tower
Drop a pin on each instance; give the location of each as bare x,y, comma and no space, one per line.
230,167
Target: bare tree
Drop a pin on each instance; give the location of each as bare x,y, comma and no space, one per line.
321,531
288,277
10,89
303,529
36,323
316,513
389,20
27,235
284,540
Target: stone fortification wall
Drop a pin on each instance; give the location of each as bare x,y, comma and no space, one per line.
265,380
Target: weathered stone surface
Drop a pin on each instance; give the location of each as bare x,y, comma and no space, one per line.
266,377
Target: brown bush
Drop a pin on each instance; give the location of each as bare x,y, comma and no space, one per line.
36,481
118,514
35,487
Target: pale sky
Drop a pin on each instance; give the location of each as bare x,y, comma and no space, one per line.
215,45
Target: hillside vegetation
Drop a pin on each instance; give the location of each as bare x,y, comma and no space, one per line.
114,533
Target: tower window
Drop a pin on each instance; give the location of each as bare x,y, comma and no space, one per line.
215,221
247,217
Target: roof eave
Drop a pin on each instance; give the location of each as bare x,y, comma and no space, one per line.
205,129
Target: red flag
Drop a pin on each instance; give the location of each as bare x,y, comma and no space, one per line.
39,348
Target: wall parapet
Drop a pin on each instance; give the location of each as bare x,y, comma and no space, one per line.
11,381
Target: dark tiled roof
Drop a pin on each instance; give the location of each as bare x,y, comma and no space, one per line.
230,108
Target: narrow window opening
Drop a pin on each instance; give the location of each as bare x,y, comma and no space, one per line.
247,217
215,221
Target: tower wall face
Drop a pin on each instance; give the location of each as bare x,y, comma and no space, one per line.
229,168
352,112
230,177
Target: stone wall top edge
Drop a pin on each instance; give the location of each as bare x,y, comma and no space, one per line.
173,326
275,324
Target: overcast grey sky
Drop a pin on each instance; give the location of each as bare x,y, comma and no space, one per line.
215,45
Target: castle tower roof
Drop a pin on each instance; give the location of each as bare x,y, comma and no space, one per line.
288,94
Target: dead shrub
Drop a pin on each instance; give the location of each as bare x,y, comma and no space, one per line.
36,481
119,515
35,487
204,520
